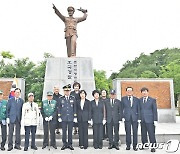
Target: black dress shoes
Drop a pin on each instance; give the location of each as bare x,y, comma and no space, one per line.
100,147
128,148
26,149
63,147
34,148
2,148
153,150
110,146
81,147
70,147
117,147
44,146
135,149
17,147
54,146
10,148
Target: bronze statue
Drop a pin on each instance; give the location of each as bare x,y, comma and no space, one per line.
71,28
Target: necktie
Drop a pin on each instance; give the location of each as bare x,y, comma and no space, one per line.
112,102
49,102
17,100
67,98
129,98
144,100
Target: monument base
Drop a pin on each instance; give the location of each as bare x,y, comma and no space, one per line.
63,71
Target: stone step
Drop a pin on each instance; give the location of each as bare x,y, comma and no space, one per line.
160,138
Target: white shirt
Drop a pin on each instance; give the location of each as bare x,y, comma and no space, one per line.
82,104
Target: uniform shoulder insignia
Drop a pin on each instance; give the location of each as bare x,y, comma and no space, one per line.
72,96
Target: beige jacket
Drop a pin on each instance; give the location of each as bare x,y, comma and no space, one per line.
30,115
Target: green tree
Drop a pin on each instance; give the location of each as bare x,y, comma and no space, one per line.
101,80
172,70
148,74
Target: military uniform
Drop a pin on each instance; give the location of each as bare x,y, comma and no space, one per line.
3,106
48,109
67,112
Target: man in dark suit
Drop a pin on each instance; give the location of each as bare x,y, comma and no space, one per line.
56,96
131,114
14,112
49,114
149,117
113,117
67,115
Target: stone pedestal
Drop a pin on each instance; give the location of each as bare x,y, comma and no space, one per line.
63,71
160,89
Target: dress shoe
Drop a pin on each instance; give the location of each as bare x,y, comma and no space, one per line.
17,147
10,148
34,147
70,147
2,148
26,149
117,147
85,147
153,150
128,148
135,149
100,147
54,146
81,147
110,146
95,147
63,147
44,146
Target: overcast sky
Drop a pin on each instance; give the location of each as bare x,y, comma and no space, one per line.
115,30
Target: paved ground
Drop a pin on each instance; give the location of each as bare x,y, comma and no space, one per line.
90,150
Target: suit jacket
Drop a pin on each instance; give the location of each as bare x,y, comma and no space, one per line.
129,111
97,112
148,110
14,109
85,113
113,112
67,108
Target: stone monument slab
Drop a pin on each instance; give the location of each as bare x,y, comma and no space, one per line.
63,71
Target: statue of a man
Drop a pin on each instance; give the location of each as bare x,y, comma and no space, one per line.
71,28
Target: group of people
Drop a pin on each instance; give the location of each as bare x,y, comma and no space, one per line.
73,109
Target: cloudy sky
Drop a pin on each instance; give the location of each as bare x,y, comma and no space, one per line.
114,32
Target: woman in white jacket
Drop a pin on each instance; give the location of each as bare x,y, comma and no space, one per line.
30,119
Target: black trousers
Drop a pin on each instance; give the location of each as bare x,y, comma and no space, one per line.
28,130
3,134
67,126
83,133
134,125
16,124
150,129
113,126
49,128
105,131
97,135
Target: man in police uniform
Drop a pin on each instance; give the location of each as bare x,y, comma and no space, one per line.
3,104
67,115
49,114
